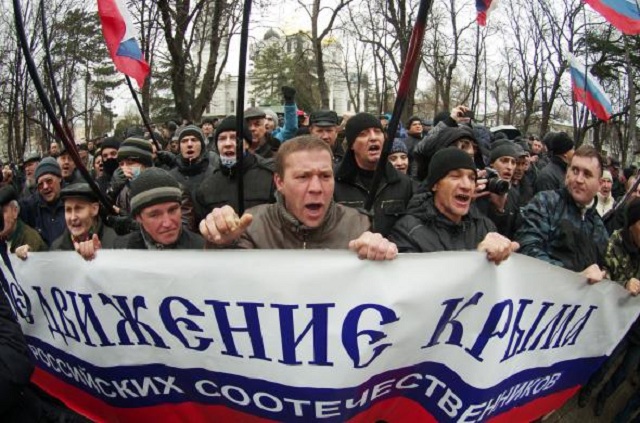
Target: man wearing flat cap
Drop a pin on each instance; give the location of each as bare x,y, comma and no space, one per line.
44,211
29,166
354,175
262,143
15,232
551,177
324,125
443,218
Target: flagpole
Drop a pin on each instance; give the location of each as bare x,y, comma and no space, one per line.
42,95
415,46
145,120
242,67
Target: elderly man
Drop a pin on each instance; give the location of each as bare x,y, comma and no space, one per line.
29,165
354,175
15,232
605,199
44,211
155,204
562,226
304,216
262,143
324,125
443,219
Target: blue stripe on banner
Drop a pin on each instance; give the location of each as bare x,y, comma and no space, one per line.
579,81
130,48
624,7
438,389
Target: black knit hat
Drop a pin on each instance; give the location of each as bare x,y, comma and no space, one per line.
229,124
48,165
153,186
558,142
632,212
110,142
79,190
359,123
192,130
503,149
7,194
137,149
446,160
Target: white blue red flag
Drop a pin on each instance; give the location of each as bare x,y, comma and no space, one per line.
121,37
484,7
623,14
588,91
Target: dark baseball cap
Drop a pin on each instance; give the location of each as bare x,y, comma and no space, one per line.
323,118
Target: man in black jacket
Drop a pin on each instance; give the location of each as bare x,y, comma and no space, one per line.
354,174
551,177
443,219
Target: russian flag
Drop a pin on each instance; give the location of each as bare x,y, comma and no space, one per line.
588,91
484,7
623,14
121,38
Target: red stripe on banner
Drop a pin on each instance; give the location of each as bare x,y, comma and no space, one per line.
395,410
536,408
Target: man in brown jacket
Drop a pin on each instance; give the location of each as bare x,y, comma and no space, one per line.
304,215
17,233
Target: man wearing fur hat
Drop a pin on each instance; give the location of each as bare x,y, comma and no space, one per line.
552,176
304,216
193,161
220,188
354,175
44,211
156,205
443,219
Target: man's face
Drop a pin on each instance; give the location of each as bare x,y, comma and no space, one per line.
615,171
84,155
453,193
30,169
227,144
79,214
465,145
10,213
415,128
91,146
97,166
174,147
536,147
307,185
583,179
162,222
109,153
367,148
505,166
49,187
400,161
258,130
328,134
54,149
207,129
605,187
190,147
66,165
522,165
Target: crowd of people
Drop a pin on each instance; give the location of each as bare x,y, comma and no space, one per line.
449,184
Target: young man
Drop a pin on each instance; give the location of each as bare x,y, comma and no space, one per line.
443,218
193,161
552,176
155,204
399,156
304,216
562,226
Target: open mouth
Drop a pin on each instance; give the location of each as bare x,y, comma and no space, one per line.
462,198
374,148
313,206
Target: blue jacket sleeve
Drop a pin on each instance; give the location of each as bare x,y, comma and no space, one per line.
290,128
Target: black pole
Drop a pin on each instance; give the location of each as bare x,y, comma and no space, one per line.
145,120
242,68
415,45
69,146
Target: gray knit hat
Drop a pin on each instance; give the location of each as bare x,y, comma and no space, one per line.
137,149
153,186
48,165
192,130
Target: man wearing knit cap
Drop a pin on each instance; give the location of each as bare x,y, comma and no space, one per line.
15,232
70,175
562,227
134,156
399,156
605,199
502,208
304,216
193,161
443,219
354,175
44,211
324,125
156,205
552,176
262,143
220,188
